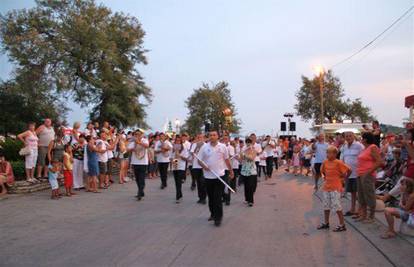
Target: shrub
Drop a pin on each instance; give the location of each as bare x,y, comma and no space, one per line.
11,148
18,170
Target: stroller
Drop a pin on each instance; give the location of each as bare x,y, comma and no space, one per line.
388,178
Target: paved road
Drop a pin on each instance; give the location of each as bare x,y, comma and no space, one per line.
112,229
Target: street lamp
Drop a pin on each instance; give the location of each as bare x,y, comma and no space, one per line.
177,125
320,71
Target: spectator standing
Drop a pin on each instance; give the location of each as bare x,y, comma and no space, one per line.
46,134
319,148
30,140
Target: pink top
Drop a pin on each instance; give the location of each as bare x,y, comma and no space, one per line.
366,161
31,141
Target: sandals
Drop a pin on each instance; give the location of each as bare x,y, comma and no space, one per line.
388,235
339,228
323,226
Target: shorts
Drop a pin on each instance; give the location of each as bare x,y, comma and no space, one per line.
332,201
30,160
103,167
42,157
403,214
54,183
317,167
68,178
351,185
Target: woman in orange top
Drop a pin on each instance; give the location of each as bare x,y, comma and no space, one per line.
369,160
334,172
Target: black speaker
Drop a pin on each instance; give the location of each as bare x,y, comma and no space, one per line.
206,127
283,126
292,126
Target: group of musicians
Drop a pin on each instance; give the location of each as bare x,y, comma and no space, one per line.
214,163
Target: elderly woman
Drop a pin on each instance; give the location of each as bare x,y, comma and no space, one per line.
30,139
6,174
368,162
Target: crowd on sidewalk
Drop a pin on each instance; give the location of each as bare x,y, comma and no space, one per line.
369,166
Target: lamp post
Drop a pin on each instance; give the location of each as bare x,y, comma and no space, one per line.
321,73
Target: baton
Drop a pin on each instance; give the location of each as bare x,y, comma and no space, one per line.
215,174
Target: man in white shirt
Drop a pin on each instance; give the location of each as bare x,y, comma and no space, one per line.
197,170
231,151
269,146
187,147
257,148
349,155
139,161
162,150
214,160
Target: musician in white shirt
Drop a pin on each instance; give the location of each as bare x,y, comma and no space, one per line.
268,146
139,160
162,150
214,158
197,170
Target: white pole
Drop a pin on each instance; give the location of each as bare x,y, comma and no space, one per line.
215,174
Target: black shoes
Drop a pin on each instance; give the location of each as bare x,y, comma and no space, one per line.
217,223
203,202
210,219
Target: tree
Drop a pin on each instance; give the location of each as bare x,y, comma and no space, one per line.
81,50
207,105
335,107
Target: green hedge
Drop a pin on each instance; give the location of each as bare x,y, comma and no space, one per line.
18,170
11,148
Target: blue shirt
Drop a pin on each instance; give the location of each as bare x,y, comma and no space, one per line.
320,152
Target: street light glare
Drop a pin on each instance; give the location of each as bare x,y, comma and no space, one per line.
319,70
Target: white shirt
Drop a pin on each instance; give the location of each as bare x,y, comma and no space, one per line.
235,162
163,157
262,158
277,152
90,132
134,159
181,162
231,152
258,149
196,165
269,151
349,155
102,157
187,147
214,157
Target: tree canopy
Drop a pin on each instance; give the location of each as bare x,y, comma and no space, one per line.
208,104
78,49
336,107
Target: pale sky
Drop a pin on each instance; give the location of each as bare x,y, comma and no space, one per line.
262,48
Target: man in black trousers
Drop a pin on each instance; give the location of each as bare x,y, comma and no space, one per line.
214,158
197,170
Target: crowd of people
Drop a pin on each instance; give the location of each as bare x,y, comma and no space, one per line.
369,166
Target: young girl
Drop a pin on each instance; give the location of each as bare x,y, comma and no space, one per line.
406,207
67,170
54,169
123,157
262,164
334,172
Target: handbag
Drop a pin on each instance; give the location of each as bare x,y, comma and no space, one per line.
25,151
410,221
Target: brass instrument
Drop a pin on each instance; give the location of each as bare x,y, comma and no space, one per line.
139,149
177,151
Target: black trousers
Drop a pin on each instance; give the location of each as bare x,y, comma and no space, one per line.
179,176
260,169
250,184
233,182
276,161
269,166
140,171
215,193
193,179
226,196
197,174
163,167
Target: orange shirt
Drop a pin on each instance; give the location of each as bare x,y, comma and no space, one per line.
334,170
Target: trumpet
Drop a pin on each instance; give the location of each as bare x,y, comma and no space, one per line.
139,149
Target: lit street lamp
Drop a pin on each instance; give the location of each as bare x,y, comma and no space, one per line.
321,73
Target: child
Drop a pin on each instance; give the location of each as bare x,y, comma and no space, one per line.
334,172
53,173
262,164
67,170
406,207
